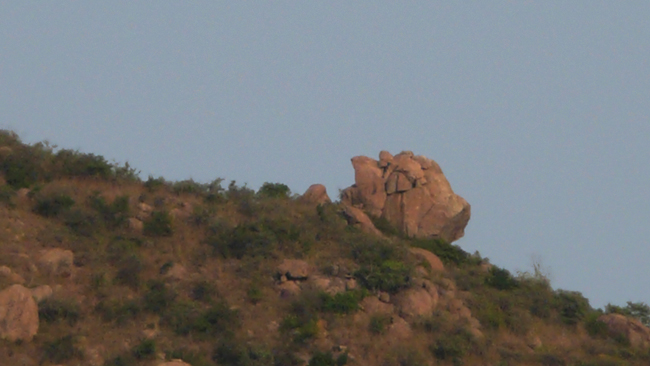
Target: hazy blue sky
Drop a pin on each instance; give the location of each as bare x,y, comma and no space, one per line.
538,112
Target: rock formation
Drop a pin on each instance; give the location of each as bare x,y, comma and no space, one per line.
410,192
629,328
18,314
316,194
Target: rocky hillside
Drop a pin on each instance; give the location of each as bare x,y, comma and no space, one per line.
100,268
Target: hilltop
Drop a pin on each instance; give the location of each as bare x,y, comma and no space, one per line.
99,267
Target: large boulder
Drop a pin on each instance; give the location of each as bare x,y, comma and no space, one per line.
411,193
316,194
18,314
629,328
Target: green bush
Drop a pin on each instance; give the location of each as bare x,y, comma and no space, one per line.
254,293
572,306
55,310
202,291
452,346
274,190
80,222
383,225
71,163
593,326
327,359
118,311
153,184
7,194
145,350
113,214
244,240
51,206
501,279
301,328
185,317
379,323
158,297
158,224
129,270
391,276
341,303
61,350
448,253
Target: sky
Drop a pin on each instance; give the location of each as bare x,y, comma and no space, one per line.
538,112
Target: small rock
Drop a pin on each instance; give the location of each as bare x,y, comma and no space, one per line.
384,297
135,224
11,276
175,362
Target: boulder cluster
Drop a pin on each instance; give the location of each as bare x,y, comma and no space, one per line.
410,192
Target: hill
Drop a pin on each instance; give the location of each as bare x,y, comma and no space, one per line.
98,267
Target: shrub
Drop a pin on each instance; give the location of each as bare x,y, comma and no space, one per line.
129,270
113,214
273,190
71,163
158,297
51,206
572,306
378,323
121,360
184,317
301,330
447,253
452,346
391,276
593,326
158,224
383,225
61,350
254,293
202,291
53,310
118,311
7,194
501,279
326,359
153,184
146,350
244,240
341,303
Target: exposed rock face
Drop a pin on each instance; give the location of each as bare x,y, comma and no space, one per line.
411,192
316,194
356,217
632,329
18,314
434,262
174,363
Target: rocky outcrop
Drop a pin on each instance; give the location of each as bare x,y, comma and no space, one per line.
294,269
356,217
18,314
435,264
411,192
174,363
316,194
629,328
